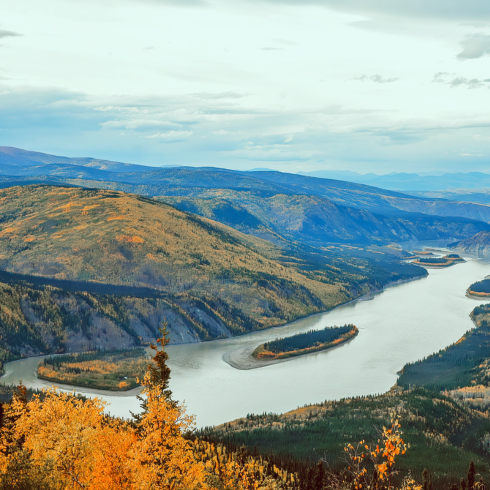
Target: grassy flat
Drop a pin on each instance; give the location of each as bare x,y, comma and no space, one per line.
114,371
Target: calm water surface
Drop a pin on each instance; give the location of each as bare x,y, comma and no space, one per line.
398,325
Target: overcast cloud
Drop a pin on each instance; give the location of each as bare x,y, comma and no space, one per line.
474,47
285,84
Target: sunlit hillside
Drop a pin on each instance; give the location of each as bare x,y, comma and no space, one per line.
116,238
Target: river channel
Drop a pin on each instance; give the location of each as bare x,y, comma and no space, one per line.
398,325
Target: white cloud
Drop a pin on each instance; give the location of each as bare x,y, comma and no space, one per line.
172,136
375,78
455,81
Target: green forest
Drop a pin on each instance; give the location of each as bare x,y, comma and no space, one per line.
307,339
481,286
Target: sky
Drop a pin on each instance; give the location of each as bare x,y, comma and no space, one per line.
292,85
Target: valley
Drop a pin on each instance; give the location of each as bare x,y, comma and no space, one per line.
236,260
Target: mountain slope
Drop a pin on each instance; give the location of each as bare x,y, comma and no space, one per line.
115,238
187,181
316,220
478,244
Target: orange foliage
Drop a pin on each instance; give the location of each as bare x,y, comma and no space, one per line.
389,446
129,239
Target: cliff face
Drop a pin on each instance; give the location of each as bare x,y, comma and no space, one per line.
478,244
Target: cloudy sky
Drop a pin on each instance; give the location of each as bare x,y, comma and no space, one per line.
292,85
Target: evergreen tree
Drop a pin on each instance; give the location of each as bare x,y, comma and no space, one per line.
425,479
320,472
471,475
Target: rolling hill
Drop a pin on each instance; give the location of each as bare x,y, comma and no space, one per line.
315,220
106,237
20,166
478,244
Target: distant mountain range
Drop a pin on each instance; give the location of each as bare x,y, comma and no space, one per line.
21,167
401,181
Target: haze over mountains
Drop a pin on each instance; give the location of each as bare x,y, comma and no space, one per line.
20,166
402,181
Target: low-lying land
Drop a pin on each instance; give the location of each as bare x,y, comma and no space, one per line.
446,261
114,371
481,289
305,343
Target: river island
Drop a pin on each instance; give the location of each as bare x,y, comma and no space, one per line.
113,371
439,262
286,348
480,289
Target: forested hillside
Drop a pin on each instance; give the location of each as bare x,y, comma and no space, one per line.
68,251
24,167
315,220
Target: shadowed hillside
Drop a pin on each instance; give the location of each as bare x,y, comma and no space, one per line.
316,220
20,166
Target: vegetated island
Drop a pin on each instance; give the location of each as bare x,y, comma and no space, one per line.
480,289
439,262
281,350
305,343
114,371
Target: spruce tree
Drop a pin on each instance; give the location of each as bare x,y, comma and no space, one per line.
425,479
471,475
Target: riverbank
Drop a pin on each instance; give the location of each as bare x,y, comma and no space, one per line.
243,360
478,296
400,325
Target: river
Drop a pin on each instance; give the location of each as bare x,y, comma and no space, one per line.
398,325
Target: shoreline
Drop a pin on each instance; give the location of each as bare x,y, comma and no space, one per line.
242,358
135,391
478,296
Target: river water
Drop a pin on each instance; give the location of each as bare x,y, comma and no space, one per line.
398,325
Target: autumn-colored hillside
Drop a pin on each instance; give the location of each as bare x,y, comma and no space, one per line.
116,238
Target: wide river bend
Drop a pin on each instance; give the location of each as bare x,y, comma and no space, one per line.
398,325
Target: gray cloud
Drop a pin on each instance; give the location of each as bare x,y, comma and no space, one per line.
218,95
474,47
375,78
4,33
442,9
177,3
445,77
268,48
